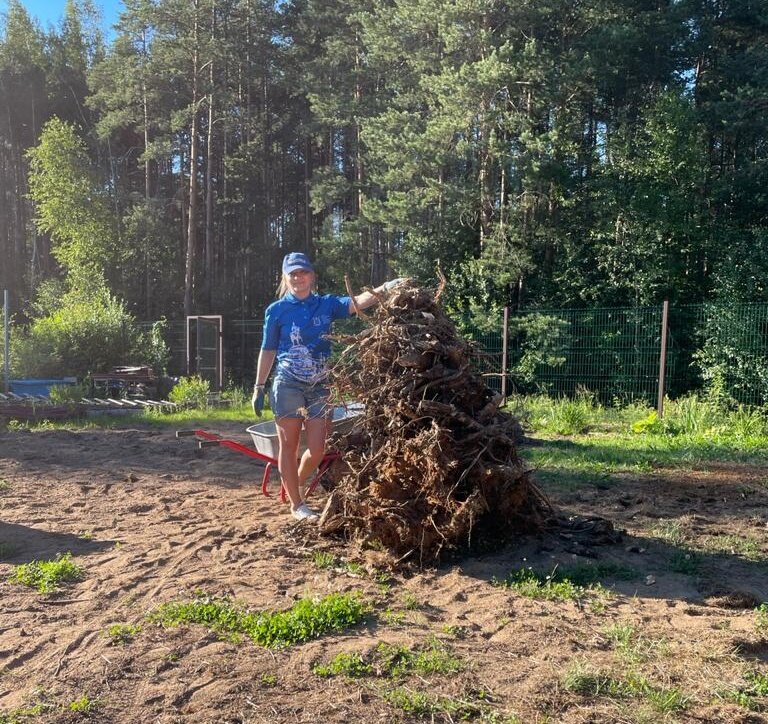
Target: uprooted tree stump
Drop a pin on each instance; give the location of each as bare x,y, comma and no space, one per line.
434,466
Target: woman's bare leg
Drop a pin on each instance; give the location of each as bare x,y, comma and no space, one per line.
288,436
316,430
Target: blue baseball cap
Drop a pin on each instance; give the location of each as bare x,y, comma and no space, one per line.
295,261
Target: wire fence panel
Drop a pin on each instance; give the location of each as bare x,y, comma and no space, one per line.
732,351
612,353
615,353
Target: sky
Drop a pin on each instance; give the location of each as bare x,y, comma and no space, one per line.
50,12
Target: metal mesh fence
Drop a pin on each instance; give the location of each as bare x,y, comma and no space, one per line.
612,353
615,353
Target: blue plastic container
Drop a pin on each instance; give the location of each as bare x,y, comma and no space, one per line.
38,387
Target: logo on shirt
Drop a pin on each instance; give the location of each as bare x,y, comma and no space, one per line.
299,362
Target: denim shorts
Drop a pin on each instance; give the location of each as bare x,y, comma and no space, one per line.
291,398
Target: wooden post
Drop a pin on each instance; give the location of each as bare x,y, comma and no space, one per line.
504,356
663,357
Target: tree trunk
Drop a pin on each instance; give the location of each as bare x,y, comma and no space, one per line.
209,241
189,271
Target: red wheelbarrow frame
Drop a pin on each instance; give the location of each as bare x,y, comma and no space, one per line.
208,439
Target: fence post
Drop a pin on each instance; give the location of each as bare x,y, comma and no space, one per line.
6,341
504,348
663,357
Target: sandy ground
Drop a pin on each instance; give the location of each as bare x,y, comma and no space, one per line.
153,519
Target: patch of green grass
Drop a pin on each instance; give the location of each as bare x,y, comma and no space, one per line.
761,619
201,418
83,705
393,662
633,647
268,679
670,531
593,461
458,632
393,618
325,561
596,458
47,576
122,633
752,695
4,485
547,587
411,601
561,416
745,546
758,682
24,714
685,561
72,424
305,620
351,665
529,584
328,561
586,681
150,417
569,480
421,704
691,419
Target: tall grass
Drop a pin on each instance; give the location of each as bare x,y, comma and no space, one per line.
600,442
689,416
560,416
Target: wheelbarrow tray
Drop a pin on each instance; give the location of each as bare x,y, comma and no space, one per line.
264,434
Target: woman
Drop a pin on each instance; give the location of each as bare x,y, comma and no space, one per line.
295,329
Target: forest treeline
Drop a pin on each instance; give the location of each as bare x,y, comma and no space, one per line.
543,152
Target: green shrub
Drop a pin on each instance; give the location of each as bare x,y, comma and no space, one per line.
237,396
542,339
191,392
649,424
87,333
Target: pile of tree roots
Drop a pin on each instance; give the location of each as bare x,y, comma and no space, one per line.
433,466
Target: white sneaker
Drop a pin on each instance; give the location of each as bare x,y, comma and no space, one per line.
304,512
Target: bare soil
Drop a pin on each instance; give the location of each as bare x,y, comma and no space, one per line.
153,519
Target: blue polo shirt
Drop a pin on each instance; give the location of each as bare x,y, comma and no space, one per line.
296,330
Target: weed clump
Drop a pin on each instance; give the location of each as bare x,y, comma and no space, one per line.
47,576
306,619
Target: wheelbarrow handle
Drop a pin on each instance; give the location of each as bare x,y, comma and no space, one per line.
185,433
207,443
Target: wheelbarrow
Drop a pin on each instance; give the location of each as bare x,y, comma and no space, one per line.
265,444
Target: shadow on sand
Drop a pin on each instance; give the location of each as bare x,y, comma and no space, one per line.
22,544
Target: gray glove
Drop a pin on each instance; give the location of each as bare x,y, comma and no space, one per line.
257,400
390,285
